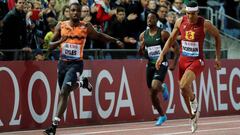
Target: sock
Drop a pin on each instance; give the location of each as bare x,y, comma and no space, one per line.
194,99
56,121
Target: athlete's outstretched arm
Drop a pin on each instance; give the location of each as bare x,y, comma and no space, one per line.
212,30
170,41
93,34
57,39
165,35
142,45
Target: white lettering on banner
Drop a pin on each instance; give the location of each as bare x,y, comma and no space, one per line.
84,93
221,87
14,120
124,102
108,95
171,81
235,72
206,92
42,117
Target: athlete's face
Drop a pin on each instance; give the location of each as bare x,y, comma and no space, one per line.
151,20
75,12
192,16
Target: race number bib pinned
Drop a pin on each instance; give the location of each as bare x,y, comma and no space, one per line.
70,51
190,49
154,52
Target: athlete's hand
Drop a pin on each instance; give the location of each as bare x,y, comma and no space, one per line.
159,61
62,39
120,44
217,64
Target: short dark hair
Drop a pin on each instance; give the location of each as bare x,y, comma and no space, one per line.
75,3
152,12
120,9
192,4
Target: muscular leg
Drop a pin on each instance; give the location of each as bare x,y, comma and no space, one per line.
63,100
186,89
156,87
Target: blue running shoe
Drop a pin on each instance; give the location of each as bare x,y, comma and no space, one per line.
165,92
161,120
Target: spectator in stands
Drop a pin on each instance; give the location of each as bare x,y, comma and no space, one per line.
133,12
152,5
117,29
50,11
178,7
171,19
86,17
64,14
38,55
54,55
14,32
60,4
101,14
85,14
162,13
36,27
162,2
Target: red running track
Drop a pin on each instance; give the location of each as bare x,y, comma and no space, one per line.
224,125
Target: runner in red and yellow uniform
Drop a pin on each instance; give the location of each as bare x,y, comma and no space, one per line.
191,62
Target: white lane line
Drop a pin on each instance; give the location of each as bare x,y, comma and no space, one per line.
148,128
198,131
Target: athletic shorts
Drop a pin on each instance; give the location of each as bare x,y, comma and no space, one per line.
153,74
197,66
69,72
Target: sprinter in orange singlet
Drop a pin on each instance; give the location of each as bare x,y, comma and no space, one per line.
71,36
191,62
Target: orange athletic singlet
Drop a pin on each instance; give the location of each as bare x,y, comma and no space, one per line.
72,48
191,48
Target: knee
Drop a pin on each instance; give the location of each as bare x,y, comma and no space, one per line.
153,92
183,85
184,93
66,89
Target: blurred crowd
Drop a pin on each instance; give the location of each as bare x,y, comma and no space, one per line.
27,26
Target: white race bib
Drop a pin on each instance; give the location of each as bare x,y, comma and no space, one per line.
190,49
71,51
154,52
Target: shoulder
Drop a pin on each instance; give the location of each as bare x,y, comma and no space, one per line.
178,23
88,25
207,23
164,32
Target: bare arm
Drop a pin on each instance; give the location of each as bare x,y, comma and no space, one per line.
93,34
142,45
165,35
172,38
57,39
213,31
169,43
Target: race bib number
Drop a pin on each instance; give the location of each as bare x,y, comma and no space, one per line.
71,51
154,52
190,49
